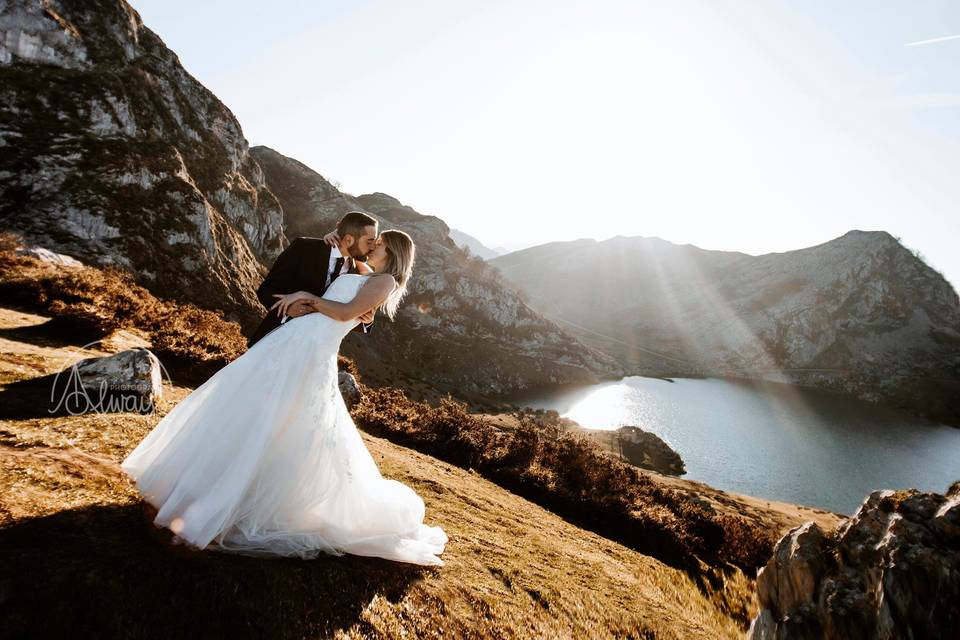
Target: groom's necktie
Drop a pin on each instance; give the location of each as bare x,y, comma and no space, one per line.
338,266
336,269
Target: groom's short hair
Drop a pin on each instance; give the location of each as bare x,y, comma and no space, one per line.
353,224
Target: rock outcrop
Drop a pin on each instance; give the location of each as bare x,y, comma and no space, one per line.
648,451
890,571
461,328
42,253
860,314
349,389
130,380
111,152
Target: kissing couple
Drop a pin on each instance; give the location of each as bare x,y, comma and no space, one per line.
263,458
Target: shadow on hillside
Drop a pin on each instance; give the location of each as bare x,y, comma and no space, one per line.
107,571
49,396
54,333
32,398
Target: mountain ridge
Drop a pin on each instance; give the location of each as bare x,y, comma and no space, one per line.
465,240
860,314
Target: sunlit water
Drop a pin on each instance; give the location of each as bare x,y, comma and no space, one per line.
775,441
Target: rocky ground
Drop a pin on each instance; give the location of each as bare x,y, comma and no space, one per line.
892,570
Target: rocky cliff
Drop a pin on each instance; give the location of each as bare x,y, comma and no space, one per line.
114,154
111,152
860,314
460,327
890,571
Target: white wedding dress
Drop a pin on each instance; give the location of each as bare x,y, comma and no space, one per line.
263,458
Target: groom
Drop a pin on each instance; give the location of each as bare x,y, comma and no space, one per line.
311,264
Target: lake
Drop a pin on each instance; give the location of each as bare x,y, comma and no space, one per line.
772,440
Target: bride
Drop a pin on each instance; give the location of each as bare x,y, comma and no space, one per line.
263,458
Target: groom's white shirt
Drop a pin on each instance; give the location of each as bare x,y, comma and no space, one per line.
345,268
334,254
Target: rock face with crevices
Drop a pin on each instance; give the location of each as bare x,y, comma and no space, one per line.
890,571
111,152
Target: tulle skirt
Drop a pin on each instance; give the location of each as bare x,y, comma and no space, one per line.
263,459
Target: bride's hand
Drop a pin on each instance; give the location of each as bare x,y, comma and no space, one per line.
283,304
300,308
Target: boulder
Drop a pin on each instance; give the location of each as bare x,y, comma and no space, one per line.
126,381
892,570
349,389
649,451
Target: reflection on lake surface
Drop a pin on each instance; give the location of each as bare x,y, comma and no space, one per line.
772,440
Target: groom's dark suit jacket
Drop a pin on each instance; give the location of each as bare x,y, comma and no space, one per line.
302,266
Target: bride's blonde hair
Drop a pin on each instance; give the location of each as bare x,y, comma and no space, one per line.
401,254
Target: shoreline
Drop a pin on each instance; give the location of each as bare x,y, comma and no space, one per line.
775,513
515,399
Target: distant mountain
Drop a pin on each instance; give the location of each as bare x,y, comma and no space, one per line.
460,328
860,314
111,152
476,247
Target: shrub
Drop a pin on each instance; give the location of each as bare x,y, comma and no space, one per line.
9,241
92,302
568,474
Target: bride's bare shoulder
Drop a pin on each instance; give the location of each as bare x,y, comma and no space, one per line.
383,281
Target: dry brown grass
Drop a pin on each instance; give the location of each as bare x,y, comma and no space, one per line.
571,475
88,303
63,479
81,559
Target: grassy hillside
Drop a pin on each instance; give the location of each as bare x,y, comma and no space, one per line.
82,557
549,535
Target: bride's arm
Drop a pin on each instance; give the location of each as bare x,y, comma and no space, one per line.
371,294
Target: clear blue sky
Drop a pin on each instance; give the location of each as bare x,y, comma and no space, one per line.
758,127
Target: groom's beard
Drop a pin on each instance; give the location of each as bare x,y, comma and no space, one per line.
362,257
